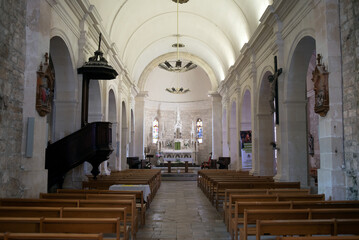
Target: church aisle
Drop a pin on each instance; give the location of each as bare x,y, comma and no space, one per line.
180,211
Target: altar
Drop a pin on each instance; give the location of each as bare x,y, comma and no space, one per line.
178,155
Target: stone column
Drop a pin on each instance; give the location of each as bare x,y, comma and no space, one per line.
216,125
140,124
26,177
263,164
331,180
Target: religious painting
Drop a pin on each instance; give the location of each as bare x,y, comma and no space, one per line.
45,87
321,88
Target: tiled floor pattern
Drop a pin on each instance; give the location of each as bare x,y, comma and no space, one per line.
180,211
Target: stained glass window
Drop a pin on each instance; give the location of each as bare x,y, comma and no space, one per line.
155,131
199,130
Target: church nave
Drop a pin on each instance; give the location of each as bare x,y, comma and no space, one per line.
180,211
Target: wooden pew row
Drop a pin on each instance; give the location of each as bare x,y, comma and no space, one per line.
212,186
307,227
278,197
64,225
118,196
240,207
50,236
251,216
129,204
222,186
228,192
265,198
66,212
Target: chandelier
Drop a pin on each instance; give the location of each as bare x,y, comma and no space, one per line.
179,65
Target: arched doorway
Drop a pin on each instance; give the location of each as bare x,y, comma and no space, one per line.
266,162
233,137
63,119
64,112
293,162
225,134
246,132
112,117
124,137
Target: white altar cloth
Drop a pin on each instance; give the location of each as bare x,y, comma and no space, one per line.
123,187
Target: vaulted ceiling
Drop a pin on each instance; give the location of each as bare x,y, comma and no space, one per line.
213,31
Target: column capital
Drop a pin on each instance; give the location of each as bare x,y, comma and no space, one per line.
142,95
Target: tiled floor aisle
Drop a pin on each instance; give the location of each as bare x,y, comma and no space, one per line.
180,211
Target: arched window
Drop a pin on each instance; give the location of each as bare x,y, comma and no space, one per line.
199,130
155,131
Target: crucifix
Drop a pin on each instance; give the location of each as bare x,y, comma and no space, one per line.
273,81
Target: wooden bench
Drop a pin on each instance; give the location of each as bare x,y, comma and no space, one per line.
307,227
250,216
30,211
266,198
35,202
48,236
228,192
63,225
129,204
222,186
139,197
84,212
93,196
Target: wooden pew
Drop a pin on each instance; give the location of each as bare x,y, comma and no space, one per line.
222,186
241,206
139,197
129,204
35,202
30,211
62,225
250,216
265,198
228,192
307,227
84,225
50,236
84,212
16,225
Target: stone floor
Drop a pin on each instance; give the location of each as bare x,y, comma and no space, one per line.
180,211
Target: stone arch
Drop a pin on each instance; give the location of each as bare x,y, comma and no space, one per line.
65,111
112,117
211,75
246,125
293,162
65,93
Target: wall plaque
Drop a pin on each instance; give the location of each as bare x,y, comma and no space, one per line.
321,88
45,87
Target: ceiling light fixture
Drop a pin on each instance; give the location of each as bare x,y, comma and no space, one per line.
178,66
